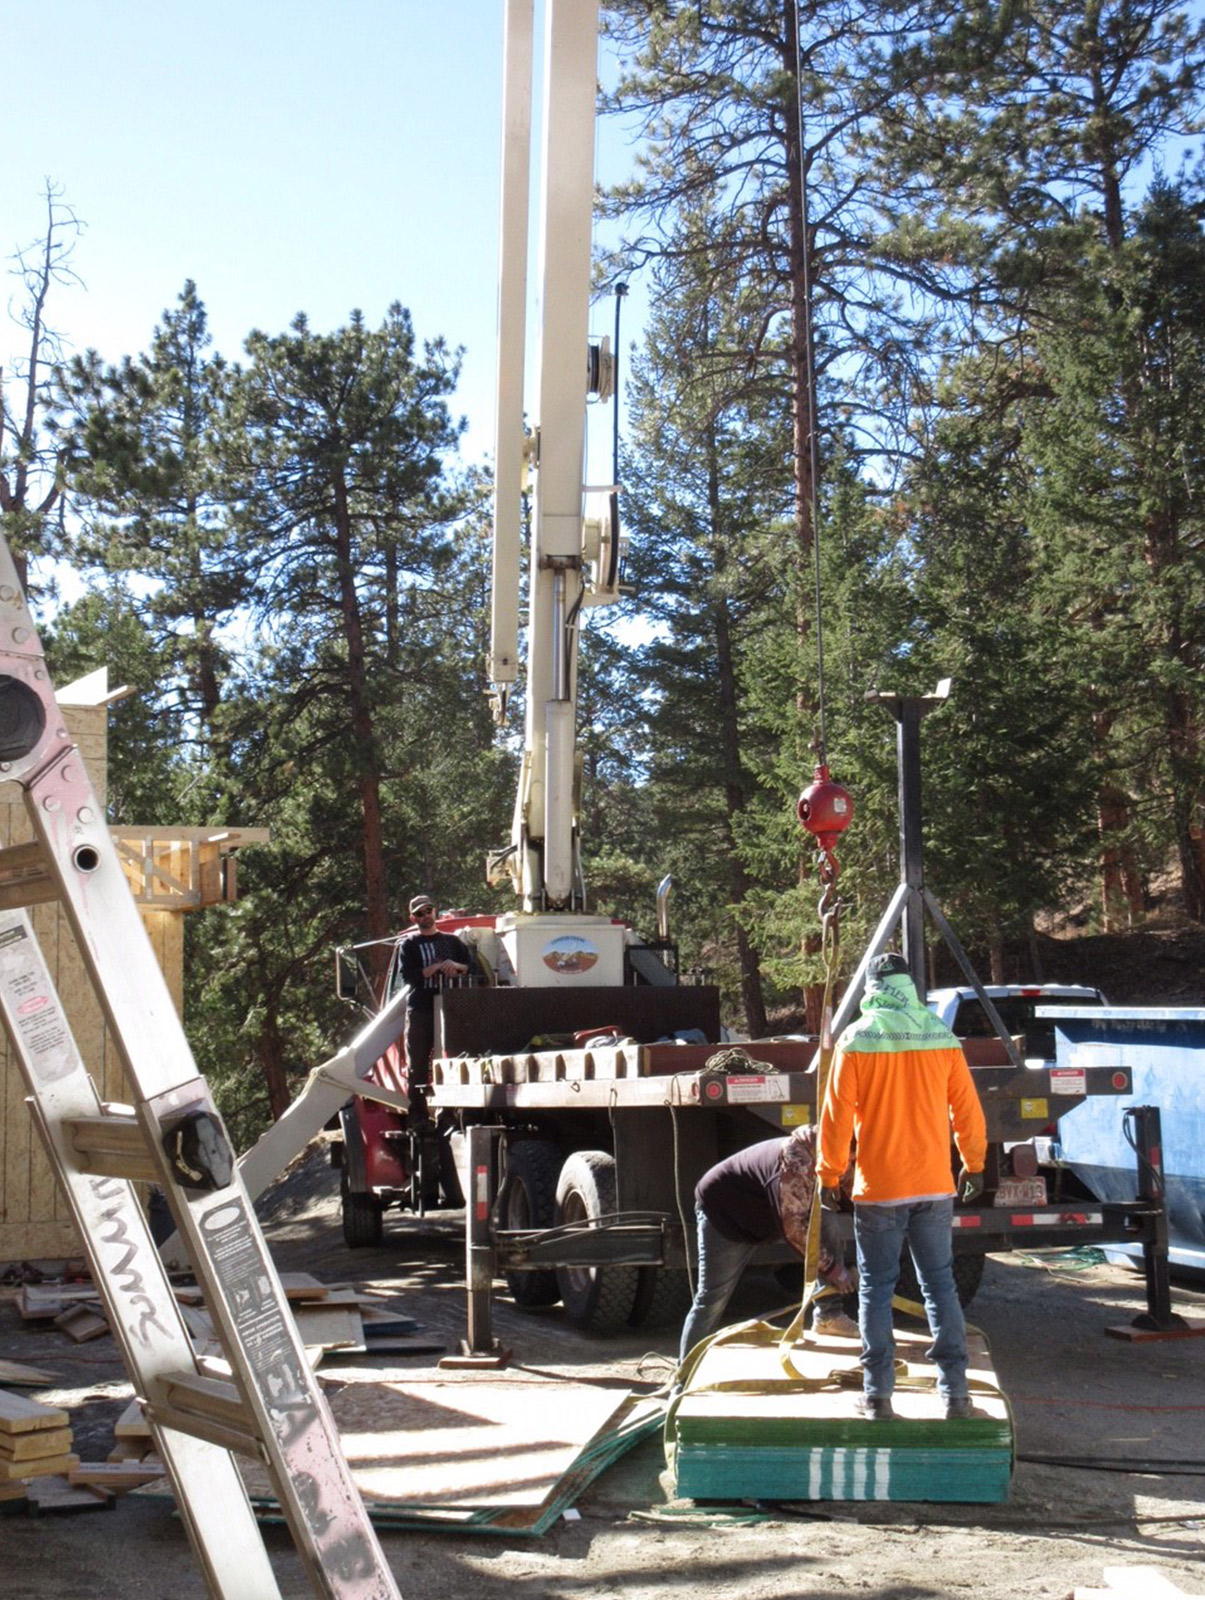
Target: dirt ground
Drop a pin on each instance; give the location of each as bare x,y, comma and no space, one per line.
1112,1411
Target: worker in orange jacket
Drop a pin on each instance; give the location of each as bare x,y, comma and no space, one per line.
899,1079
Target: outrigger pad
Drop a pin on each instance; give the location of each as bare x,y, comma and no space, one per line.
745,1428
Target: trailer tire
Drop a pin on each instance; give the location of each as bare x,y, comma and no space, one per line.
532,1166
598,1298
363,1216
663,1297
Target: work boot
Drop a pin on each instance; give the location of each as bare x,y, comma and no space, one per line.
835,1325
875,1407
959,1408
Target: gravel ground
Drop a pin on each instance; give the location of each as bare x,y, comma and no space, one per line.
1096,1402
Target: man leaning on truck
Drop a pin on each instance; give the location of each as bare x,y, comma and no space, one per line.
428,959
899,1077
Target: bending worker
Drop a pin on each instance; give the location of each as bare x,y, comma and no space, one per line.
899,1076
761,1193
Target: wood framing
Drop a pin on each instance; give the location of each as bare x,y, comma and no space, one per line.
170,871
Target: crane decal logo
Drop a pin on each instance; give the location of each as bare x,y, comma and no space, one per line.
569,954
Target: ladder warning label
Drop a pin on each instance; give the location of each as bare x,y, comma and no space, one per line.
32,1006
325,1494
247,1289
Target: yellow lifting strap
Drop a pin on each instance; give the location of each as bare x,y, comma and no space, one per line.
830,922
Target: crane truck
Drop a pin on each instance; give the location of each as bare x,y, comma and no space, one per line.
588,1086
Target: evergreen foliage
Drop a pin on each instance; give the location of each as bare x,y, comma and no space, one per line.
1008,298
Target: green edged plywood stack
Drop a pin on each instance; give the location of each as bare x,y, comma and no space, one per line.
748,1427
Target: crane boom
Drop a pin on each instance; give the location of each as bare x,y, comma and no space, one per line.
572,544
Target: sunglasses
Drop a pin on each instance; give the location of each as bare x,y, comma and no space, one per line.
425,911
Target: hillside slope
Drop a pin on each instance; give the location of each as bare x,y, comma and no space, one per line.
1149,967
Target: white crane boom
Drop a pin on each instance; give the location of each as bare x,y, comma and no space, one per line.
571,561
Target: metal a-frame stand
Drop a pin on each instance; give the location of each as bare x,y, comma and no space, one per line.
268,1404
912,899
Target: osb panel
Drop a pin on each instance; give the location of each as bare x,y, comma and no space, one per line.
166,932
34,1221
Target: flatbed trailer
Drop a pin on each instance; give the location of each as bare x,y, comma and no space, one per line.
580,1157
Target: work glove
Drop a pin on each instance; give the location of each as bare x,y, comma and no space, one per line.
970,1186
830,1199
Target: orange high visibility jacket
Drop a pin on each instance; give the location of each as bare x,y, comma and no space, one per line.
899,1081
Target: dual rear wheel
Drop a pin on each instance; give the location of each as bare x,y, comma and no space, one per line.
546,1192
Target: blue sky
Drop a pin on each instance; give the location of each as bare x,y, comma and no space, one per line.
287,157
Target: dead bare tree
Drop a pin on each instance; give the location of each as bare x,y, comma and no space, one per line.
31,456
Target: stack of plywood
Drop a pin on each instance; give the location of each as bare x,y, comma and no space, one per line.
35,1442
746,1428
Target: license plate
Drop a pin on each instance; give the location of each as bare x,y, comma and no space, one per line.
1020,1192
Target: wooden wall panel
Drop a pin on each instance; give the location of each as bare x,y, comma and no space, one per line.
34,1223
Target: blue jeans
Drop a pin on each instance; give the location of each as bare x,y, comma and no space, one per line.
721,1262
880,1232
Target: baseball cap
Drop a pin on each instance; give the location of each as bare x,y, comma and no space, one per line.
889,965
419,901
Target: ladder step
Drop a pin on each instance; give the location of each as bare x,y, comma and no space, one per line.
112,1145
207,1408
25,879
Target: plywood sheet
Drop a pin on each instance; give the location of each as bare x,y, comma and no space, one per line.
468,1444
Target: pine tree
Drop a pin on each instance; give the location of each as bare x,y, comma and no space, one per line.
146,474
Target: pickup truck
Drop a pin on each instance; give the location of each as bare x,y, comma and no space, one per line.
962,1012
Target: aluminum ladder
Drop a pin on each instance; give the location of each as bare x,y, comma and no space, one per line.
268,1404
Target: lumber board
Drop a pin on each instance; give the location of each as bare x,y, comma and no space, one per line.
16,1372
20,1414
82,1322
132,1423
42,1302
39,1467
47,1495
303,1286
117,1475
39,1442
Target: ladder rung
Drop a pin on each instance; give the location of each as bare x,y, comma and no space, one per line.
25,879
112,1145
207,1408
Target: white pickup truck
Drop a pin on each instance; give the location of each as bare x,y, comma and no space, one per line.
962,1012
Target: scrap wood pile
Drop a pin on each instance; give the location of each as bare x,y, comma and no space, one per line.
73,1309
39,1467
36,1455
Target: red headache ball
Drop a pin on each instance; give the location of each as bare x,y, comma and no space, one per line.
825,809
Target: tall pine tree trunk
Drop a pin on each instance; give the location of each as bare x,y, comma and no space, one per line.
368,764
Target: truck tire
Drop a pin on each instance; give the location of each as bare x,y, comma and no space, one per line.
363,1216
598,1298
532,1166
968,1275
663,1297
